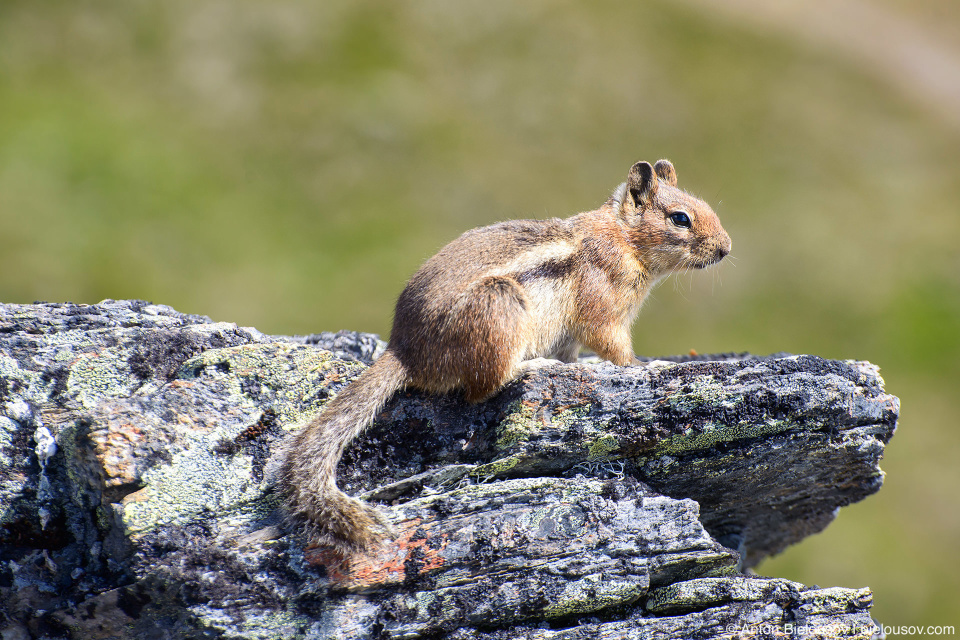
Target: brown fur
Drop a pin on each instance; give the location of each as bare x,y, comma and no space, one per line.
491,300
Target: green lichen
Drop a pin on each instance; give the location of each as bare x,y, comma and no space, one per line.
195,482
594,593
496,468
697,564
31,387
290,373
8,428
518,426
708,435
702,390
602,447
567,418
704,396
103,518
588,594
833,599
565,515
9,368
705,592
77,341
98,375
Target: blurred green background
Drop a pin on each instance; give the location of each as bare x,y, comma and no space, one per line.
287,165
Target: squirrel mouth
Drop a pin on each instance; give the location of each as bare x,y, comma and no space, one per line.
702,263
705,263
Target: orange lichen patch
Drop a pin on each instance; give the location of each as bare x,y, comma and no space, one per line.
412,553
137,496
115,447
124,438
332,376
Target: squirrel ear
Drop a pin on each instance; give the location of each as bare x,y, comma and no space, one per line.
665,171
642,183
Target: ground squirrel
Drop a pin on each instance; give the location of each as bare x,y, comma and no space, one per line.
475,315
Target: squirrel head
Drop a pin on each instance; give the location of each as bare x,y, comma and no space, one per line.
669,229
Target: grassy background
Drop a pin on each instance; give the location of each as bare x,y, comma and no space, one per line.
287,165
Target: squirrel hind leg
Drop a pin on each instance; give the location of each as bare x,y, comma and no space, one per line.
492,324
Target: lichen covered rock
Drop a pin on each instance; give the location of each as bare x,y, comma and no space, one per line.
585,500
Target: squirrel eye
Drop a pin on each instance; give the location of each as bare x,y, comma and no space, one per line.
680,219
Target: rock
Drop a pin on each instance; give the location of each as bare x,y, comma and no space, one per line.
585,500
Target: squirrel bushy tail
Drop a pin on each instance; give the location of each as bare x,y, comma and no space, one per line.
309,471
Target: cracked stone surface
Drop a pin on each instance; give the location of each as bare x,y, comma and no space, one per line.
583,501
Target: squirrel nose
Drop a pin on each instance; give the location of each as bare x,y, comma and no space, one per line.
724,249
